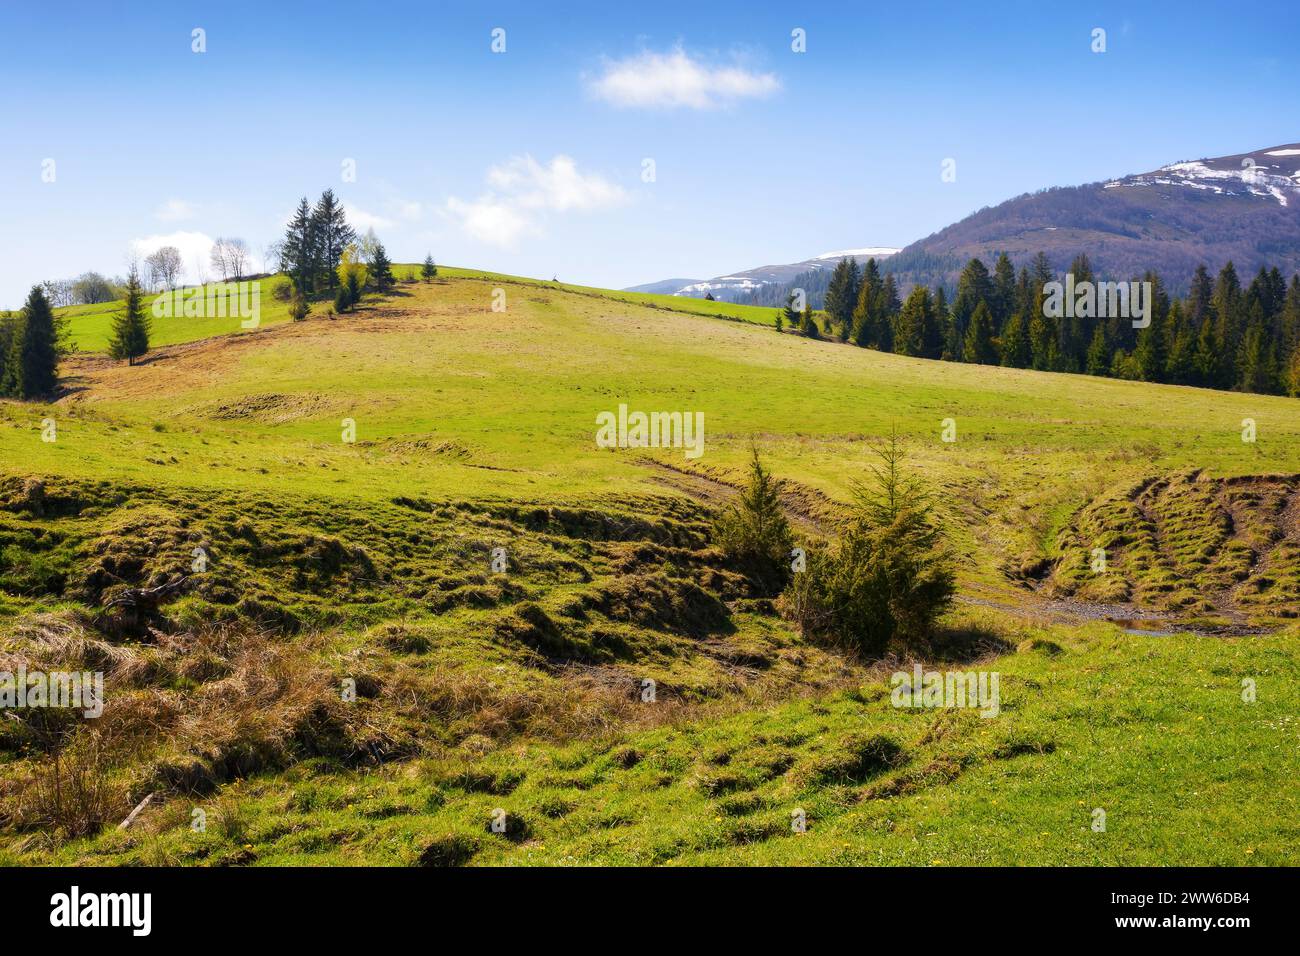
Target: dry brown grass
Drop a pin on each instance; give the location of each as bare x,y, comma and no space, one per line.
276,703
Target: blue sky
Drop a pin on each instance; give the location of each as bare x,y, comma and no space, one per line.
531,161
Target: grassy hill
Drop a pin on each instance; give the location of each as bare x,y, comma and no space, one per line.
91,325
371,561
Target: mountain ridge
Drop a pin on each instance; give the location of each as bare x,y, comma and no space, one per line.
741,286
1243,207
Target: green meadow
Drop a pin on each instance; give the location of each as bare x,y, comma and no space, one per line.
90,326
350,478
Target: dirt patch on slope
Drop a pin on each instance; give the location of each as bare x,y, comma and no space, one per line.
806,508
1222,550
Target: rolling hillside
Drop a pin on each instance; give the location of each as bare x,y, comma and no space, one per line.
348,480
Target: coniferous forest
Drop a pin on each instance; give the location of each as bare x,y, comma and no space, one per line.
1222,335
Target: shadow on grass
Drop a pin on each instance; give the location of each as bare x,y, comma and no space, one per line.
967,643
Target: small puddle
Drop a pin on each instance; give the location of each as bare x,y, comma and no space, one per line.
1143,628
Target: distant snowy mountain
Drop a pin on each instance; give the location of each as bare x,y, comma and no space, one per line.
741,285
1244,208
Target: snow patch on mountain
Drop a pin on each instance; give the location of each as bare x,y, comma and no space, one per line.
878,252
741,283
1249,176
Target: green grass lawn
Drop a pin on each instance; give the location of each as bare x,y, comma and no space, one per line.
1152,731
453,400
90,326
475,429
758,315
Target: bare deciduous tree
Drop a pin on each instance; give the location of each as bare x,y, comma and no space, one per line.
218,258
273,256
230,258
58,291
163,268
237,256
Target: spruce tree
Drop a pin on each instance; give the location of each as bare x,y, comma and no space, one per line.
1098,360
980,349
1293,374
1042,342
871,277
1290,321
1228,306
936,321
1024,295
1180,345
331,234
429,271
8,325
943,319
1275,293
130,334
1207,362
864,322
1040,273
1073,333
789,315
973,287
842,295
380,268
34,355
300,248
1016,352
1257,366
1151,355
1200,298
806,324
890,303
916,314
845,321
887,309
753,531
1004,293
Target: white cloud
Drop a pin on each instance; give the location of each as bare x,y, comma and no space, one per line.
492,221
194,248
410,210
523,191
671,80
360,220
174,210
558,186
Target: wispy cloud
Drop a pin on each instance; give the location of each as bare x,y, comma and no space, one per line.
359,219
407,209
522,191
491,220
677,79
174,210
